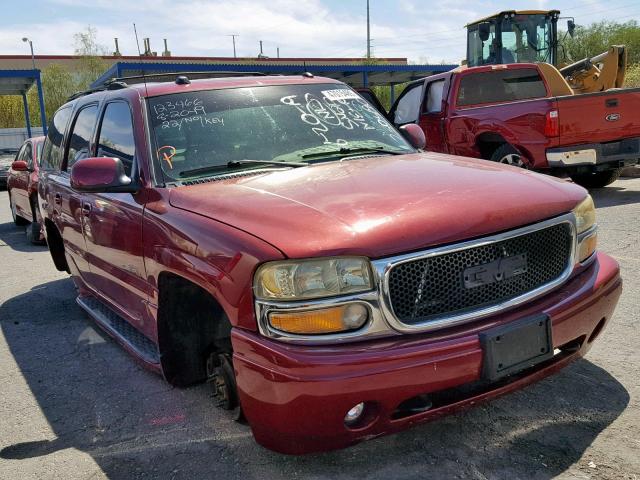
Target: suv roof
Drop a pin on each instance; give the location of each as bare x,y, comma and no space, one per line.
154,88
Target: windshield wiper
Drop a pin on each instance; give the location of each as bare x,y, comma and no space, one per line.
349,151
238,163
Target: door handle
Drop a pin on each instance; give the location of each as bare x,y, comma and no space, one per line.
612,102
86,208
57,199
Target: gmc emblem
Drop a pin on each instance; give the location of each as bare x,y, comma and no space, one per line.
496,271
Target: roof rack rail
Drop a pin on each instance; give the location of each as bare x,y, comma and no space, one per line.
117,83
197,75
112,85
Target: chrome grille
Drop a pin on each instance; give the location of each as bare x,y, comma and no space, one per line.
430,288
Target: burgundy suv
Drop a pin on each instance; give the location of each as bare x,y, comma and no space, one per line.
277,236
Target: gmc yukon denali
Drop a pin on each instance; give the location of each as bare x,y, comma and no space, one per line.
278,237
526,115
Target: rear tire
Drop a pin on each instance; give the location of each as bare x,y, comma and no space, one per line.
597,179
509,155
34,231
17,219
33,234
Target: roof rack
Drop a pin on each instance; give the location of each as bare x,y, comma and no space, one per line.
111,85
197,75
123,82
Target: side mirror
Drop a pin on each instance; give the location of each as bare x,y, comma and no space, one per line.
414,134
571,28
20,166
100,175
484,30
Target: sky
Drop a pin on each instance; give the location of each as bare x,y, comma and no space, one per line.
423,31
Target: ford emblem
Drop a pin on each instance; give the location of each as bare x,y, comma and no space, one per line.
613,117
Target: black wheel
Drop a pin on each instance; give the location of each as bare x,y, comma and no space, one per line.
17,219
597,179
510,156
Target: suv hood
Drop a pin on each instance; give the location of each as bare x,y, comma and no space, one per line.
380,206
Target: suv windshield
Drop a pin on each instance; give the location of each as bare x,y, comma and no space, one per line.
210,131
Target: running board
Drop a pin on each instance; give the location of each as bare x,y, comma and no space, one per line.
122,330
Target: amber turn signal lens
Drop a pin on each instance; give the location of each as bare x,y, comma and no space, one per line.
314,322
587,246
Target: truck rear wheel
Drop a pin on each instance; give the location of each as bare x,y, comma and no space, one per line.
597,179
509,155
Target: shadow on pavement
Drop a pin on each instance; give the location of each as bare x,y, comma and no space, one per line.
100,401
616,194
16,238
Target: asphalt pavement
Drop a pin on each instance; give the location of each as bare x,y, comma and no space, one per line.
73,404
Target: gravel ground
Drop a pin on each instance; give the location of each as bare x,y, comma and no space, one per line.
74,405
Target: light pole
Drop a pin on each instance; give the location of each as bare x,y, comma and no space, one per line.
368,32
234,44
33,58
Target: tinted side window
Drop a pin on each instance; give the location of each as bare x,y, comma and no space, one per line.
500,86
52,151
408,107
116,134
80,137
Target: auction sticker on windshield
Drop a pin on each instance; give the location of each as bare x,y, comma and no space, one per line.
340,94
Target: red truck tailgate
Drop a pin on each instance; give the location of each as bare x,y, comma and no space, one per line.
599,117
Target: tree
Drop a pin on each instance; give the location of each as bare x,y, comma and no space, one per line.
90,52
598,37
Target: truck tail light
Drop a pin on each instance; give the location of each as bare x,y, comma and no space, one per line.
552,124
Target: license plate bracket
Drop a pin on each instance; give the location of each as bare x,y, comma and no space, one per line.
508,349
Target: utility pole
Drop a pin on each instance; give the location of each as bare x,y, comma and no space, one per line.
233,37
278,52
368,32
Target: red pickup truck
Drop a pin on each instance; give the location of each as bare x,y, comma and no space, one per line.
526,115
280,238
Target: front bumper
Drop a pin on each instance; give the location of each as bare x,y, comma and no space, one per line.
295,397
595,157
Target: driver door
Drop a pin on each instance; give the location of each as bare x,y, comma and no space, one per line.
113,222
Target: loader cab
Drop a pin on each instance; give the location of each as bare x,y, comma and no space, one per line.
513,37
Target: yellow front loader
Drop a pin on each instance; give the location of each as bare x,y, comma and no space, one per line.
532,36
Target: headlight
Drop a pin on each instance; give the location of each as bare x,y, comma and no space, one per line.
305,279
585,214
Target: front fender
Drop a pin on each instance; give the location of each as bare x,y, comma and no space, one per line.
217,257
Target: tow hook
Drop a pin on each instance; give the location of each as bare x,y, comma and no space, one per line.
223,383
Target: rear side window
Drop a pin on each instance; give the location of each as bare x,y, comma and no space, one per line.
408,107
52,151
116,134
80,138
500,86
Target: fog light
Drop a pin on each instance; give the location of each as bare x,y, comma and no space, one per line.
354,414
354,316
